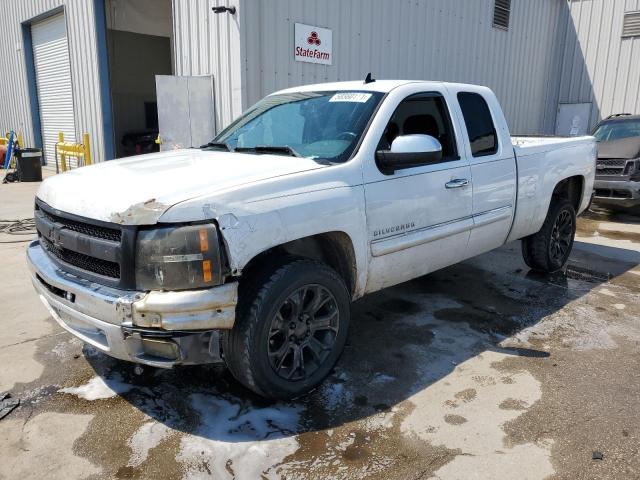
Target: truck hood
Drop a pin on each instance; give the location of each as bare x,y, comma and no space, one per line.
138,190
626,148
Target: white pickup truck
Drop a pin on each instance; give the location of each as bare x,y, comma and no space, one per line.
249,250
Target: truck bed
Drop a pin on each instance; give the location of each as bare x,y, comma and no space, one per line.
541,163
528,145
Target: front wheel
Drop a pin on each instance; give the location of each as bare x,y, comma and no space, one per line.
290,330
549,249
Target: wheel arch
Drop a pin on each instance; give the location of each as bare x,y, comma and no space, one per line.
333,248
572,189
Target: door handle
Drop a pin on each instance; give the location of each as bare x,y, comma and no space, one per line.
457,183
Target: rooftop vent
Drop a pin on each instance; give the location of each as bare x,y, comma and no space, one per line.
501,11
631,25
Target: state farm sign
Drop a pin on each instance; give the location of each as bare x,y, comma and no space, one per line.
312,44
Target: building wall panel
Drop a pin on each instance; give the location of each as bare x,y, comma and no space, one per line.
449,40
554,51
15,110
599,65
209,44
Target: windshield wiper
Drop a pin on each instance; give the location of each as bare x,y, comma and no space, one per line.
216,145
285,149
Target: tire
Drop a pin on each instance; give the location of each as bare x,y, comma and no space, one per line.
549,249
275,315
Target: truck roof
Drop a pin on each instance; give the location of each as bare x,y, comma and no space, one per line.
383,86
621,118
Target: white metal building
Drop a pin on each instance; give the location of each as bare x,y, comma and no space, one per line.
90,65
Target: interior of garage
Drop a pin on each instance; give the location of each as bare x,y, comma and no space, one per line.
139,48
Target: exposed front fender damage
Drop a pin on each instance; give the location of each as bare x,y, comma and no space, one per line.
239,232
251,224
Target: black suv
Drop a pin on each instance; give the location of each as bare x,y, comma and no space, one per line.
617,182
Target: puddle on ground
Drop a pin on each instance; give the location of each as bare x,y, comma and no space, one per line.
585,274
399,306
590,224
484,321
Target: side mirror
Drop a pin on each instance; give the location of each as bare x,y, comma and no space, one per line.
409,151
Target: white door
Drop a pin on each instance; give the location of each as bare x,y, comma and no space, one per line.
493,168
419,219
186,114
53,81
573,119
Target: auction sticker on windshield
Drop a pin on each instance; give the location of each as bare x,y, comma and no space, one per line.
350,97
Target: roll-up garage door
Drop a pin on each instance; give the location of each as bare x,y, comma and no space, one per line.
53,80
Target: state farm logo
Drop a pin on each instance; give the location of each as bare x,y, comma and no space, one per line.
312,44
314,39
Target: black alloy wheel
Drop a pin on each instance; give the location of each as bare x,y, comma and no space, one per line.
303,332
548,250
291,326
561,237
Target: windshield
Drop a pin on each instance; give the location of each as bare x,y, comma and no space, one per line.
617,130
319,125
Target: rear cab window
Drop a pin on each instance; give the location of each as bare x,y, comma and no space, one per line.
480,127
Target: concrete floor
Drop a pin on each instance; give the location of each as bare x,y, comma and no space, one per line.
480,371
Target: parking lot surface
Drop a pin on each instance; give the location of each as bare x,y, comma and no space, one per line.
483,370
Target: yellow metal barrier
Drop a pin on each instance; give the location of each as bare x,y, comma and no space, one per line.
81,151
5,140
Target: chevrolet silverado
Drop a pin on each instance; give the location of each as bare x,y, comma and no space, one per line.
249,249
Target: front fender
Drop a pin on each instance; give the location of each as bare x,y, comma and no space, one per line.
249,228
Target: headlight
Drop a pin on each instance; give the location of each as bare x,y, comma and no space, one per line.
178,258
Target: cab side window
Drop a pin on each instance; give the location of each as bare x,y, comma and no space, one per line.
426,114
480,127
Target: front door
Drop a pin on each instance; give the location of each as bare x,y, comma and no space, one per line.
419,219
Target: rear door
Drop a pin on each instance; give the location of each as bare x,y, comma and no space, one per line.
419,219
493,168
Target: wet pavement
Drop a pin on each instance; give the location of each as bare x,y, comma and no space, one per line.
483,370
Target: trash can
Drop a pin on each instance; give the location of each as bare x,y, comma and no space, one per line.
29,163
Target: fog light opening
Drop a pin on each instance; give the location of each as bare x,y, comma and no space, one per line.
162,349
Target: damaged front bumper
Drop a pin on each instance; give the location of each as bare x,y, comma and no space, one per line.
616,193
160,329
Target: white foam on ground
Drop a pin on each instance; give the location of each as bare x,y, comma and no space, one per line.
65,348
382,378
233,441
100,388
606,291
335,395
148,436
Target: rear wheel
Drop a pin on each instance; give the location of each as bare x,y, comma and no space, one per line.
549,249
290,329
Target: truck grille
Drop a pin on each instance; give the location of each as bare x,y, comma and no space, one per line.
85,228
611,166
101,252
82,261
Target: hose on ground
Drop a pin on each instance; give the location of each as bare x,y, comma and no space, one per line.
22,227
